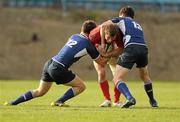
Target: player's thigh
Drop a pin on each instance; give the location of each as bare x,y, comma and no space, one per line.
76,82
112,64
101,71
120,73
99,68
44,86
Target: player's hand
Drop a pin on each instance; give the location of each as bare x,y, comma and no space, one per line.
102,60
101,49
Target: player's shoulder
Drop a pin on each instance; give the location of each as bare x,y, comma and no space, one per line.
95,31
94,35
75,36
116,19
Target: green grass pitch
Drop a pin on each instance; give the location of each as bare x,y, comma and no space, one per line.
84,108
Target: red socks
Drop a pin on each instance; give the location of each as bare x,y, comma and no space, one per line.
105,89
117,94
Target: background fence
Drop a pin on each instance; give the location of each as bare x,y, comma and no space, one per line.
160,5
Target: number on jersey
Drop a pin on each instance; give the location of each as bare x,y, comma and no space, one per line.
137,26
71,43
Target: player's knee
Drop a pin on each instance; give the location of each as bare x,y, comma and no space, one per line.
79,88
101,71
117,79
101,76
82,87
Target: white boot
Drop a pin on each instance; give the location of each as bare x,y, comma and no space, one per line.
106,103
117,104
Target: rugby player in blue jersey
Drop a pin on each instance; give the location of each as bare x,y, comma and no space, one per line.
57,69
135,52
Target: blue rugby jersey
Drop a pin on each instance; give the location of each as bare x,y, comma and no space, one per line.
76,47
132,31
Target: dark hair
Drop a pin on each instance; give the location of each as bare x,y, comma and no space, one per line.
127,11
87,26
111,30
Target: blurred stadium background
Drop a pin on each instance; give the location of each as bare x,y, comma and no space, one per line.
32,31
162,5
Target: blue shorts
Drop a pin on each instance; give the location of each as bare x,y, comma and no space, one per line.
134,54
54,71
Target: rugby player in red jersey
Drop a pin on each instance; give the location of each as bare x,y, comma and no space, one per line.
114,46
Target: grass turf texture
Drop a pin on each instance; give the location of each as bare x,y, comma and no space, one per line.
84,108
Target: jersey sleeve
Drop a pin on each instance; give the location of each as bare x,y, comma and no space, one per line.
92,51
115,19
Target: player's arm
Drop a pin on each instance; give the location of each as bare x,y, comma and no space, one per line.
102,47
95,55
113,53
102,35
101,60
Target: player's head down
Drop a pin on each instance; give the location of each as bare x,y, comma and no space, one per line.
110,32
126,11
87,26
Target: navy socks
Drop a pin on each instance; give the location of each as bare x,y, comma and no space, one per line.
149,90
68,95
25,97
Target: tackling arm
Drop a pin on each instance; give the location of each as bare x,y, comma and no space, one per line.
113,53
101,60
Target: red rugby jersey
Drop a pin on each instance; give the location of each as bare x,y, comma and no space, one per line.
95,37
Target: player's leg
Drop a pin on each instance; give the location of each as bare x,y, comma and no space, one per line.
124,65
62,75
103,83
40,91
43,88
77,87
120,73
144,75
142,63
117,93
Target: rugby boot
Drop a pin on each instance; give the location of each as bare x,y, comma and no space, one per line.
129,103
